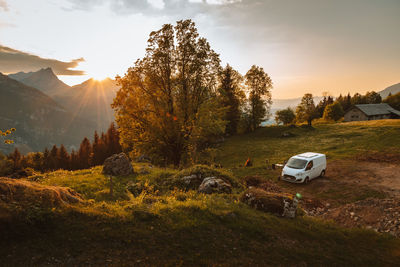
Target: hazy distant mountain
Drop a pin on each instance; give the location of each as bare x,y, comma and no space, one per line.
45,80
291,102
39,120
394,89
91,100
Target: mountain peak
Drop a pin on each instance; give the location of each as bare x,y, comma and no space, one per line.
47,70
43,79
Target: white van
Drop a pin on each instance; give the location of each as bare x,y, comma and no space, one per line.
304,167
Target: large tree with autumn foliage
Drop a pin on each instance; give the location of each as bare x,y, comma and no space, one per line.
167,104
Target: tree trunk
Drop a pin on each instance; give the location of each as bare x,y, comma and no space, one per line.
309,122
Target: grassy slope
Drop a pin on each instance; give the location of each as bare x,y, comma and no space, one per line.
341,140
178,228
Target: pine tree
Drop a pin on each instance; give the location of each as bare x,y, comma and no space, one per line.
84,154
16,158
38,161
231,97
46,160
74,160
63,158
53,158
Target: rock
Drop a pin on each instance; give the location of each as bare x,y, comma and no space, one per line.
265,201
143,158
214,185
118,165
191,179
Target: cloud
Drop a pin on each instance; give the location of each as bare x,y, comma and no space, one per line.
4,5
12,60
186,8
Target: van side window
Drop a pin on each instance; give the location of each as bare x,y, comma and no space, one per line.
310,165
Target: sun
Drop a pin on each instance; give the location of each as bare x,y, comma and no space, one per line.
99,77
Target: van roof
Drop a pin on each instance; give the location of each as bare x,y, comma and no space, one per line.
309,155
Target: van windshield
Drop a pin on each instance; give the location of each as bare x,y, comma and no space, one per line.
296,163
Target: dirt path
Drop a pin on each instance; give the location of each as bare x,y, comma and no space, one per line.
378,175
355,193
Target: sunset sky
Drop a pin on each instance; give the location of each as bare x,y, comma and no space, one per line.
305,46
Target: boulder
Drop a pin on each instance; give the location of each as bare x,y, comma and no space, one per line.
117,165
214,185
143,158
265,201
192,181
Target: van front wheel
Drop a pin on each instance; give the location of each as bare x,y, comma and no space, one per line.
322,174
307,180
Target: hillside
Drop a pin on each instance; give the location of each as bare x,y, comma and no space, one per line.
152,220
39,120
91,100
44,79
394,89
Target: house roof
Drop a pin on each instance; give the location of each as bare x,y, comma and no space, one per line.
377,109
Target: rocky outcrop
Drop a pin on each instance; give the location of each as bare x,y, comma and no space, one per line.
214,185
192,181
30,193
265,201
118,165
380,215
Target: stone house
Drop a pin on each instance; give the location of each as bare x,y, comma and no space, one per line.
366,112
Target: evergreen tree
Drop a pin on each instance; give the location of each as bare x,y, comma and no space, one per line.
53,158
97,150
46,160
231,97
38,161
373,98
322,105
358,99
74,161
63,158
16,158
84,154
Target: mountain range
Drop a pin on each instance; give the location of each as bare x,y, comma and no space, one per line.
90,100
40,121
45,80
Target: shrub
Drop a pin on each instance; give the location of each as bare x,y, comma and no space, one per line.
333,111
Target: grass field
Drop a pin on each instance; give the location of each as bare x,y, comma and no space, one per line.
170,227
337,141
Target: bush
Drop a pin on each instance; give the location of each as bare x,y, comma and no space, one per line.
333,111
